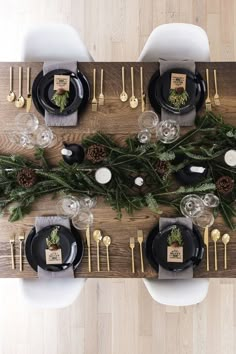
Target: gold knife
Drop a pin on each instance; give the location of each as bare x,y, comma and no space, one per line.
88,244
29,98
143,96
206,237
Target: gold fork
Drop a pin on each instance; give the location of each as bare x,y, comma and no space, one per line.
132,245
94,100
21,240
12,243
101,96
208,101
140,241
216,97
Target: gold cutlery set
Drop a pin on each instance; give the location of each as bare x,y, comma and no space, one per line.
106,240
133,101
101,97
20,100
21,239
215,236
216,96
132,247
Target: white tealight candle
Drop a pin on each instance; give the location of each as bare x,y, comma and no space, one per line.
103,175
230,158
139,181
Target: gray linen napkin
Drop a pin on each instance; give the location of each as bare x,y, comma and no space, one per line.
166,274
183,119
40,223
53,120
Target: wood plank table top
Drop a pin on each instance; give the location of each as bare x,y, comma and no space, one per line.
119,120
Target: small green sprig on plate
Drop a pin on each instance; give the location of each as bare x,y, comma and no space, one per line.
53,241
60,98
175,238
178,97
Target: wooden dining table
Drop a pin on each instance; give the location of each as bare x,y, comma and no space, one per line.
119,120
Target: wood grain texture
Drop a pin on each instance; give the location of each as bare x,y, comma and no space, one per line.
119,120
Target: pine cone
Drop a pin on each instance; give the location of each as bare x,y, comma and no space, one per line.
96,153
225,185
26,177
161,167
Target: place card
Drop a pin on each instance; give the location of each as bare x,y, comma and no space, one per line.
53,257
178,80
62,82
174,254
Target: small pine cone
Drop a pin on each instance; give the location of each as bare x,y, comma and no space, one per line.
179,90
26,177
161,167
225,185
96,153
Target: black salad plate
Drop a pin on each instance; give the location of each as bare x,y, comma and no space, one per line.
156,248
72,248
42,92
159,90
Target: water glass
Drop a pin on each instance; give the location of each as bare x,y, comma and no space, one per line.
148,120
87,202
67,206
42,137
144,136
168,131
192,206
204,220
210,200
26,123
83,219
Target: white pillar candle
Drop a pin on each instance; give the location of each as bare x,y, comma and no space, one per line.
103,175
230,158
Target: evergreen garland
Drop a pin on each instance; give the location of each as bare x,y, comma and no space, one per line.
207,142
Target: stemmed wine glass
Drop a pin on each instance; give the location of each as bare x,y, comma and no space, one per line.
168,131
147,121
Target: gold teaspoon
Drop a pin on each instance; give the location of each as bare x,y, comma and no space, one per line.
133,101
123,95
107,242
97,236
20,101
215,235
11,95
225,240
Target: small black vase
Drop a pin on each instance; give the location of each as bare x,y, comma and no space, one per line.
73,153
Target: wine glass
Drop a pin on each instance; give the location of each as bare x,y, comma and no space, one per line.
42,137
192,206
67,206
83,219
210,200
20,139
148,120
87,202
144,136
168,131
26,123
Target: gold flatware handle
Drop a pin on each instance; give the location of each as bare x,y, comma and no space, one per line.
123,78
101,81
94,83
28,80
225,258
206,240
21,260
141,257
12,257
133,268
207,78
89,260
216,263
215,80
11,79
20,80
132,80
108,261
98,260
207,252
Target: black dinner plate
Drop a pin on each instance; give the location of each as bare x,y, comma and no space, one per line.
42,92
159,89
192,258
36,243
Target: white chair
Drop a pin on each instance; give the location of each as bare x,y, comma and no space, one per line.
51,293
177,292
53,42
176,41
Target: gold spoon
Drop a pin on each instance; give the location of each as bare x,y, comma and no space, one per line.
97,236
215,235
133,101
11,96
20,101
123,95
107,242
225,240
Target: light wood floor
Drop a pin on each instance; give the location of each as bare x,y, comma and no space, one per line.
118,316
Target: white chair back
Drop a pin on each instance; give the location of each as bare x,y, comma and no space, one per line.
177,292
176,41
53,42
